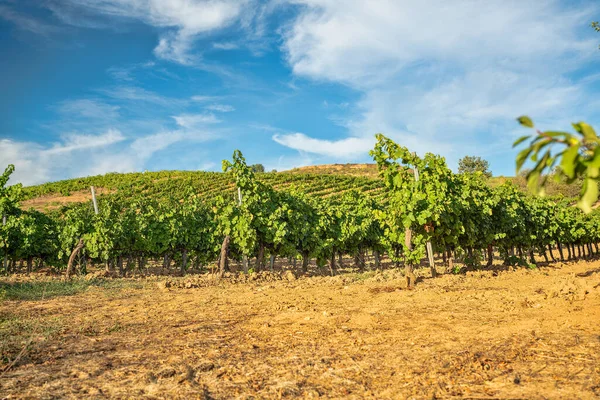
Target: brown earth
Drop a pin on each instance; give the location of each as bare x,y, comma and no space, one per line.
525,334
51,202
368,170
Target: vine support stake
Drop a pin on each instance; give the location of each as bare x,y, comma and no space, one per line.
94,200
72,258
223,257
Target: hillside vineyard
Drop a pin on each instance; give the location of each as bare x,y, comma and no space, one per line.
150,218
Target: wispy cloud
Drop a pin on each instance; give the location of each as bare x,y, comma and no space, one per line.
182,21
121,73
432,78
74,155
73,142
192,121
225,46
146,146
134,93
87,154
26,22
342,148
284,163
221,107
88,108
202,98
207,166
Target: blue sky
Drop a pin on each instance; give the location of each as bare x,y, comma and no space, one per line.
96,86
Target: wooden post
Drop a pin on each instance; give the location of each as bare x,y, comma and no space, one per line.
94,201
332,263
305,261
408,267
72,257
184,260
223,257
490,256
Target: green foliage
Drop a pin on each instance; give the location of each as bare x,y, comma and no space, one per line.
579,158
514,261
38,290
473,164
207,185
41,290
327,217
257,168
9,195
413,204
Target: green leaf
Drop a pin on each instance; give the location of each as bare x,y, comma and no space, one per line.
568,162
520,140
589,196
525,121
533,180
586,131
522,157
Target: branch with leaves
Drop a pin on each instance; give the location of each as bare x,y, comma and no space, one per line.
578,158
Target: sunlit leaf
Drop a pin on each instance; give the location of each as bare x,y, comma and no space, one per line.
525,121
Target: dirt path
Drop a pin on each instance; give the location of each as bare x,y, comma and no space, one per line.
529,334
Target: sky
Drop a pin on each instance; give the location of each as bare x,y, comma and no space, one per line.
89,87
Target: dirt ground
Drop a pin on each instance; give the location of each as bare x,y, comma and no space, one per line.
54,201
524,334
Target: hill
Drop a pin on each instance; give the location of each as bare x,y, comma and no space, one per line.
318,180
366,170
208,185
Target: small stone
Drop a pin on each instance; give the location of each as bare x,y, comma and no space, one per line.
289,276
151,378
167,372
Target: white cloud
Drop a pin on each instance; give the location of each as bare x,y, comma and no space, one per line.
88,108
191,121
74,142
134,93
225,46
76,155
207,166
221,107
284,163
27,23
121,73
201,99
443,76
145,146
183,20
28,168
334,148
353,39
85,154
175,46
